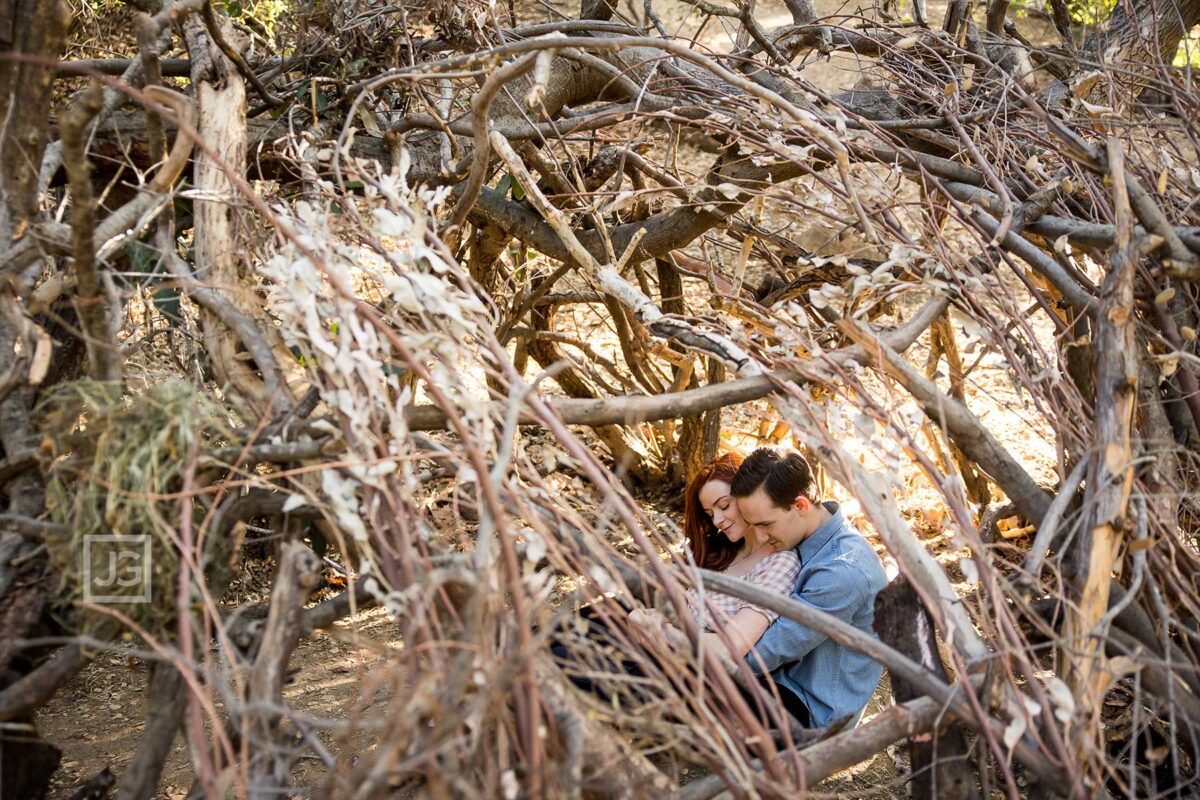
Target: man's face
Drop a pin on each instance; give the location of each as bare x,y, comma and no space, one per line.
782,528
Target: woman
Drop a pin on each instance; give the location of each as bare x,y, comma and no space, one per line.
721,541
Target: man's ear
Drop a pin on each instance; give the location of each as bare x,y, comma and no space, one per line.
801,504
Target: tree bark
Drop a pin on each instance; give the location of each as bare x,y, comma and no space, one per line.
166,702
1110,478
270,761
38,29
221,95
938,759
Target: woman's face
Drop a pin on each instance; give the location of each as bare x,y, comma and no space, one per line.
722,509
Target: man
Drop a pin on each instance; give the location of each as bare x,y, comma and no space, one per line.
840,574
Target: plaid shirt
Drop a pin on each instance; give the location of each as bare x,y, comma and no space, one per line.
775,573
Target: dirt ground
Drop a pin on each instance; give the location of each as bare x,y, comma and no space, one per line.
97,719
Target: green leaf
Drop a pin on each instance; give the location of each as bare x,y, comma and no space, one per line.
509,184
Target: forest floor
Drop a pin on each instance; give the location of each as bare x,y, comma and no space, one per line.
98,717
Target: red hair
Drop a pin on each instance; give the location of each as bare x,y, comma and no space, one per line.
710,548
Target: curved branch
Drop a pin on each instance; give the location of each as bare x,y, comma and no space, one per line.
55,237
631,410
480,106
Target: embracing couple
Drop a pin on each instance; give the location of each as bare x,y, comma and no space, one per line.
761,520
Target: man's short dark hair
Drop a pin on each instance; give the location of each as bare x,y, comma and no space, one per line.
783,476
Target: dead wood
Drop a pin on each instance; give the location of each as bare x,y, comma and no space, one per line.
629,410
829,756
264,706
967,162
939,761
34,689
963,427
94,301
166,701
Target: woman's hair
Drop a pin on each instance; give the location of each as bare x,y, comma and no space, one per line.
710,548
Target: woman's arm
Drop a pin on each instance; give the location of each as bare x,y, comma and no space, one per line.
746,627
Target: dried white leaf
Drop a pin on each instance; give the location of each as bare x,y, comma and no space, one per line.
509,785
1060,695
293,502
730,191
1014,731
535,546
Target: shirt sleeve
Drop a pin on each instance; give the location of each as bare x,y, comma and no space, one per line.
836,590
776,573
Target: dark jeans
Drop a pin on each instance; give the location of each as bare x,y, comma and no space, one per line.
598,630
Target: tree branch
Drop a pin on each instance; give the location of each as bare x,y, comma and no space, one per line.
967,431
631,410
98,329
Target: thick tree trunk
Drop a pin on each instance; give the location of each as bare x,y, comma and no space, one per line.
38,28
1140,29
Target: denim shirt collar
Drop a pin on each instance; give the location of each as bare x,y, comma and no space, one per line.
821,536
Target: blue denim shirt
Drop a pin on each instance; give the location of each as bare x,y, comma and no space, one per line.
839,574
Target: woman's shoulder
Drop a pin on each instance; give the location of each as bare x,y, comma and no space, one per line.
777,562
783,557
777,572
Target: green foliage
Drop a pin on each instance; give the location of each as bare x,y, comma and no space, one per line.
1188,53
1090,12
265,12
509,183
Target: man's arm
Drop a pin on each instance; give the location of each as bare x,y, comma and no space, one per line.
837,590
